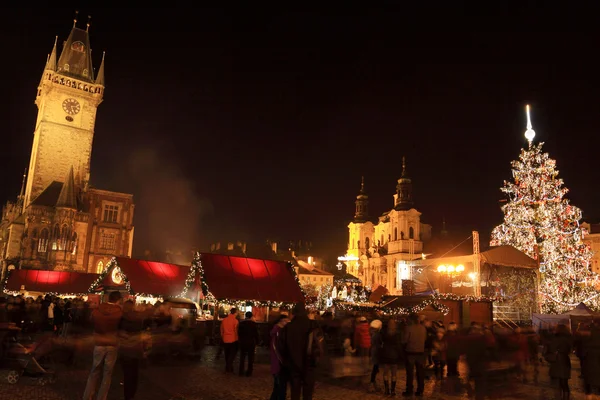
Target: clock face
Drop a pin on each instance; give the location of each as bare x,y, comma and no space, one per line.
71,106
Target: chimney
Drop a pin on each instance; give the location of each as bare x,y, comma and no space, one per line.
244,247
229,246
274,247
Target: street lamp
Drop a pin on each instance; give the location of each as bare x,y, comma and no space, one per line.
451,270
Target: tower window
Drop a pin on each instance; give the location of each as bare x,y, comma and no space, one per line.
111,213
66,67
107,241
85,72
395,233
411,233
100,267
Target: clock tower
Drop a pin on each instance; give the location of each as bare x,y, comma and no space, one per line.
67,100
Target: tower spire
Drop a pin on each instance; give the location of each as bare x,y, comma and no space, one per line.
529,133
22,194
75,19
362,204
100,77
68,197
88,23
75,59
403,166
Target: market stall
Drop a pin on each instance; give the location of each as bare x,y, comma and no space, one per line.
145,280
249,284
33,283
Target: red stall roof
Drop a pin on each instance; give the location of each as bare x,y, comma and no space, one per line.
62,282
155,278
240,278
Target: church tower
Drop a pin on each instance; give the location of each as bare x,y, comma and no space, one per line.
67,100
403,199
362,204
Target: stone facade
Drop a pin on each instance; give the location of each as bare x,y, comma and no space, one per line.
59,221
383,247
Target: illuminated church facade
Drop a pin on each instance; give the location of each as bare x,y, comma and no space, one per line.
381,248
59,221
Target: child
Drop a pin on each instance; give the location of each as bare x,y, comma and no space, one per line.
348,360
438,353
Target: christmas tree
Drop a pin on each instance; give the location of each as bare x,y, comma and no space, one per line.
539,221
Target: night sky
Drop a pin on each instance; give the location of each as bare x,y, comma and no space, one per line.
249,124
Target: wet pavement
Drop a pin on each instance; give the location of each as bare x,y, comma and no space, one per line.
184,379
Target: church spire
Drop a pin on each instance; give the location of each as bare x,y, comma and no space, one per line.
76,56
67,197
100,77
51,63
403,197
362,204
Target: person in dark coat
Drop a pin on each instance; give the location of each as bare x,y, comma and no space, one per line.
590,361
298,366
131,349
248,340
376,345
390,356
557,354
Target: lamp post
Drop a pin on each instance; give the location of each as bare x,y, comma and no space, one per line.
448,272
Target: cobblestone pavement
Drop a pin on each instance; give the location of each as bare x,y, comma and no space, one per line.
182,379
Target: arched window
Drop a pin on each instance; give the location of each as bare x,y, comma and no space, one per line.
402,235
373,279
367,243
64,238
411,233
381,240
55,237
100,267
74,243
43,242
358,244
395,233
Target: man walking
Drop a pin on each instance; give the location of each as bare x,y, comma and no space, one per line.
229,337
298,363
106,320
248,338
414,346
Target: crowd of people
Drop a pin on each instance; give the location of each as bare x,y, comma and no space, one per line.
303,341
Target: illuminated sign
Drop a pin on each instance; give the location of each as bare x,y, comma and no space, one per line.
116,276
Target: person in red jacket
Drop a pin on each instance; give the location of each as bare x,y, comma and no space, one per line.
106,319
229,337
362,341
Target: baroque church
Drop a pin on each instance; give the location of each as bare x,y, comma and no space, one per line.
379,250
59,221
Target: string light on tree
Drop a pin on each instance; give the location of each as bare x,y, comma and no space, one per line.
539,221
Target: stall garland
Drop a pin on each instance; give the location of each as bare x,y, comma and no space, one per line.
433,302
198,270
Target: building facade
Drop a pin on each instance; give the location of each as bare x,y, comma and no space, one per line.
593,240
382,248
59,221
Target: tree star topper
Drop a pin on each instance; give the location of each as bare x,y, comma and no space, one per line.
529,133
